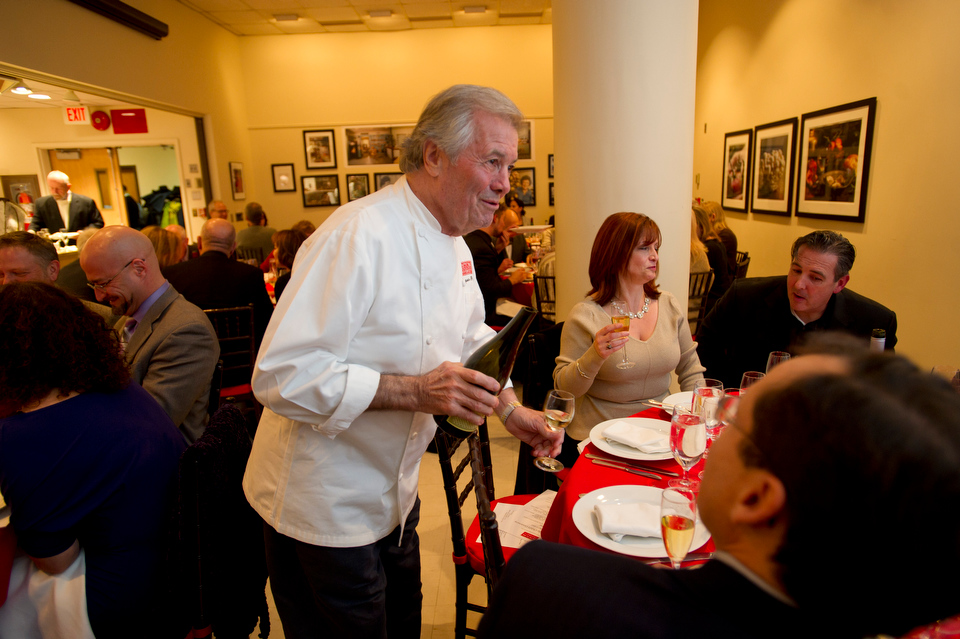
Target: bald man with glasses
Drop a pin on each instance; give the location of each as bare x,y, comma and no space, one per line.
170,345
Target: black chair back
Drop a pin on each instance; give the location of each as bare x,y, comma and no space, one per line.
700,284
545,291
236,334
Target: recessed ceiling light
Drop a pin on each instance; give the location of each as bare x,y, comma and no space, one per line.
21,89
475,9
380,13
39,96
286,17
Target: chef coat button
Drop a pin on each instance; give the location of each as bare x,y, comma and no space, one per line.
427,284
429,341
421,233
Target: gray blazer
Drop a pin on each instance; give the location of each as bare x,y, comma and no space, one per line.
172,354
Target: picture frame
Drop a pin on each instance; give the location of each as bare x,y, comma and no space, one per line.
21,189
550,165
238,185
320,190
834,161
736,170
375,144
525,141
527,192
551,194
774,163
284,179
320,149
358,186
381,180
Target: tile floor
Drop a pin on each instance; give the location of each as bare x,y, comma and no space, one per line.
439,586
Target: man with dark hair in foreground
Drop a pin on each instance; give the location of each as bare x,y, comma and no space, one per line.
832,464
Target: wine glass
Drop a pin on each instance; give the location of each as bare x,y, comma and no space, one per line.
775,358
706,396
624,321
558,410
749,379
687,441
678,517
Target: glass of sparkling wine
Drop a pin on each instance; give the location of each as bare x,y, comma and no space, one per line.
558,410
678,517
624,321
688,441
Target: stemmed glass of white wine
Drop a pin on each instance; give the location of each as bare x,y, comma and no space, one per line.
558,409
624,321
678,517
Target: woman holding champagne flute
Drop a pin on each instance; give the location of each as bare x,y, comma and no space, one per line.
613,366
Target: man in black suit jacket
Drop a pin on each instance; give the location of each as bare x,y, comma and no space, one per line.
829,462
760,315
214,280
82,211
490,259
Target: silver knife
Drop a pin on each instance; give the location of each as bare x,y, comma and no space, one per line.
649,469
693,556
628,469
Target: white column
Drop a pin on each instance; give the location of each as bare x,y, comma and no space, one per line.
624,87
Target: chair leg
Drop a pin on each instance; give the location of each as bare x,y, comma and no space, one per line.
464,574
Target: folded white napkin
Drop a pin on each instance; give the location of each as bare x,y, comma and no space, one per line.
637,519
643,439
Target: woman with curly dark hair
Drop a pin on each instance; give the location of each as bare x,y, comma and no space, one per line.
288,243
88,459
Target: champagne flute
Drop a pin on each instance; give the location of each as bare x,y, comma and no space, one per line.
678,517
775,358
749,379
558,409
687,441
624,321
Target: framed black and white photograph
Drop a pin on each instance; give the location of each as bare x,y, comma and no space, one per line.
320,190
238,186
835,150
551,194
736,170
550,165
774,162
381,180
320,149
358,186
524,183
525,141
283,178
375,144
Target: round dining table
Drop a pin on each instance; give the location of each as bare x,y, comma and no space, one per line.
585,477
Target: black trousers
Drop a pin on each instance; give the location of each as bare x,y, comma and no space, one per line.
366,592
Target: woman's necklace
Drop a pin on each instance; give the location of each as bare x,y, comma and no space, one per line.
643,311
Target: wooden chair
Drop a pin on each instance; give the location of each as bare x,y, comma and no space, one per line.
215,385
743,262
700,284
250,254
238,351
469,557
545,292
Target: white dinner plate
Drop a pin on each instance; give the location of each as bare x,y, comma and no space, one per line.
628,452
586,522
539,228
685,398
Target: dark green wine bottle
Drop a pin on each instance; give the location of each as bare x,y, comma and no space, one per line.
494,358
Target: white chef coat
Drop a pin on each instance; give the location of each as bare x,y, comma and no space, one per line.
376,289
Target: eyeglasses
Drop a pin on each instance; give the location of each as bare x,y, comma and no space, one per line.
100,287
727,413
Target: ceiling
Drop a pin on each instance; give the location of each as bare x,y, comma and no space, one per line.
259,17
10,100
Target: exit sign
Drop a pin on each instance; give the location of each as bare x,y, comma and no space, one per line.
76,115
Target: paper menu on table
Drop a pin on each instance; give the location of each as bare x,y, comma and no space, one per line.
519,524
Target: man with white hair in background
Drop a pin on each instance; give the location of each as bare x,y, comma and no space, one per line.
64,210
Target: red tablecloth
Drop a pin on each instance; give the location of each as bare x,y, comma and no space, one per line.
523,293
585,477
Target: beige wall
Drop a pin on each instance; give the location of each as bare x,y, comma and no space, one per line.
329,80
766,60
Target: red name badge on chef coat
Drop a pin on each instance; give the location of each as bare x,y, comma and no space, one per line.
466,268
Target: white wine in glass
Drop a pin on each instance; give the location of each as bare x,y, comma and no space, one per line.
678,516
687,440
558,409
624,320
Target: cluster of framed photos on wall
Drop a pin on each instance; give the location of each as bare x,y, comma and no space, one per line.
373,146
760,171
